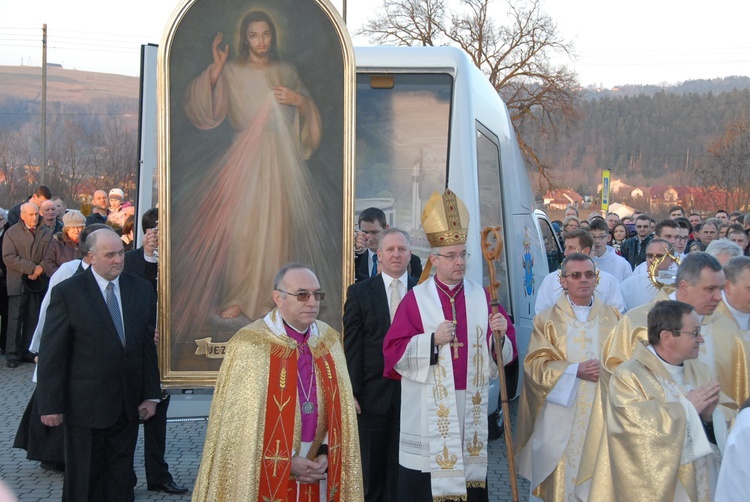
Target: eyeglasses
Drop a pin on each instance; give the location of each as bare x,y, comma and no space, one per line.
303,296
600,237
682,237
695,333
454,256
576,276
651,256
643,226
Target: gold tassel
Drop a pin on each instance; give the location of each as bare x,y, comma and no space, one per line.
475,484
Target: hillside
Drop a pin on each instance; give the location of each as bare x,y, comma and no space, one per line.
646,135
659,136
68,86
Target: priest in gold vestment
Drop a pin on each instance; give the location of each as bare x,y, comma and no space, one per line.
562,371
282,422
699,282
664,417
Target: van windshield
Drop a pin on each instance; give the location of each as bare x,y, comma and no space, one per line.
403,123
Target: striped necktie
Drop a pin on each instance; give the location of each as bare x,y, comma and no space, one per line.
114,311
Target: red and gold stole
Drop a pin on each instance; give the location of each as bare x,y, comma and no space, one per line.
276,481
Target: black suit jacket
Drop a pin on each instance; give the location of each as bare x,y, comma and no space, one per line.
136,264
366,321
629,248
362,271
84,371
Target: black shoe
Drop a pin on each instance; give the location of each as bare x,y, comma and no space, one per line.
12,364
170,487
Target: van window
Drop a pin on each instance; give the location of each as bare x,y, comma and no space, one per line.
551,244
403,121
491,206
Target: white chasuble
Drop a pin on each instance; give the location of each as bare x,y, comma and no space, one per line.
444,431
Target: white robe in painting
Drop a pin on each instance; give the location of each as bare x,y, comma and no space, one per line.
257,205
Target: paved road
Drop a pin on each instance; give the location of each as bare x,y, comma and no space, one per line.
184,447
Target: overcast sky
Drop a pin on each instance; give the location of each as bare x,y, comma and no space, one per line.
635,42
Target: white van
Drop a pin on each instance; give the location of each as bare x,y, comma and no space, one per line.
427,118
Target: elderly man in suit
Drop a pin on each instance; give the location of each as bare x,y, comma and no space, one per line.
368,311
24,246
98,371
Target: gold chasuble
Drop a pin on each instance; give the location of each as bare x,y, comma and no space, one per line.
654,446
254,428
556,406
621,342
723,350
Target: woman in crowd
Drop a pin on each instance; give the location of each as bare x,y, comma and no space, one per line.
618,235
64,247
127,233
570,223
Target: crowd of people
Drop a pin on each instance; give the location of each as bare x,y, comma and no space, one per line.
639,362
67,306
637,366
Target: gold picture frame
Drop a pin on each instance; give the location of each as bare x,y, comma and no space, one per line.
248,176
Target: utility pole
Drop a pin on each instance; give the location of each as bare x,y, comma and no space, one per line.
44,103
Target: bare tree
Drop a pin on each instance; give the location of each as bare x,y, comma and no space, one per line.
115,159
516,57
727,166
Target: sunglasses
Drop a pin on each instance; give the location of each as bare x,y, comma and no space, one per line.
303,296
576,276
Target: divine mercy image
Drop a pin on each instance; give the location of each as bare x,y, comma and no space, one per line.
261,200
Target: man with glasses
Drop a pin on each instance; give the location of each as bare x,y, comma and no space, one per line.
664,415
282,418
440,346
634,248
607,287
683,237
668,230
699,282
638,288
604,256
562,374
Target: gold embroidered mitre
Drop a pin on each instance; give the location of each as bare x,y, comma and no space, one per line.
445,220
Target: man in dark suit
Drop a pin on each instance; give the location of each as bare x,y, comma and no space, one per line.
372,224
369,309
633,249
144,263
24,246
98,371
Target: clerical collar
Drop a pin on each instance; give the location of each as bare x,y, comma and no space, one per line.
666,363
742,318
591,303
443,286
581,311
305,332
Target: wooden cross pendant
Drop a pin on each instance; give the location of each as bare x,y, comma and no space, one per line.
455,344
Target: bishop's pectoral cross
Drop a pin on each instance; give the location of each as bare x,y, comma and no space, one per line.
583,340
455,344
